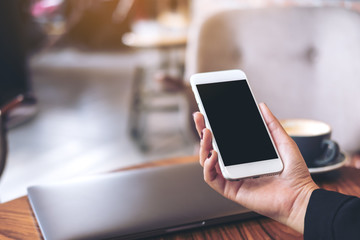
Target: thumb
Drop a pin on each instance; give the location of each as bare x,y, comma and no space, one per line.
276,130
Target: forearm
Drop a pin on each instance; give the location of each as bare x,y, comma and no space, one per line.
331,215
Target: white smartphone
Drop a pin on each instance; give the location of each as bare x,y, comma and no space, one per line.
240,135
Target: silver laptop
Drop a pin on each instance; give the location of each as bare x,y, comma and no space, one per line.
131,204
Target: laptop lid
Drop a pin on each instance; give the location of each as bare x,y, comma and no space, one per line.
131,204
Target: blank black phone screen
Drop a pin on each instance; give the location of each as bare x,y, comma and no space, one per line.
236,123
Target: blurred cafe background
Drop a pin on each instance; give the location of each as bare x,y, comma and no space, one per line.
104,84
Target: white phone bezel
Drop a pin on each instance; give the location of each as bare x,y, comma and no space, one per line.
244,170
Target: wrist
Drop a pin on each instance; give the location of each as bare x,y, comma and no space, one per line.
296,219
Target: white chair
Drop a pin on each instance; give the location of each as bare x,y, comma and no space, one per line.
303,62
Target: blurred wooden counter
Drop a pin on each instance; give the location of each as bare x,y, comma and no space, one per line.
18,222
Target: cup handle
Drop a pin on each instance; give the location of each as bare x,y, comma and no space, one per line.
330,153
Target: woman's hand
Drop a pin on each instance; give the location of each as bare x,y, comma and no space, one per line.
283,197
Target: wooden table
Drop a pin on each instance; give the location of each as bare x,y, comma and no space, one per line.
18,222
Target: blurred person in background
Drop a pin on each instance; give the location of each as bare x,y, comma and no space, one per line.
20,37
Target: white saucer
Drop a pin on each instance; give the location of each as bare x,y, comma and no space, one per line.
340,161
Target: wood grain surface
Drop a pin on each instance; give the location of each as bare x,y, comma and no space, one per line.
18,222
